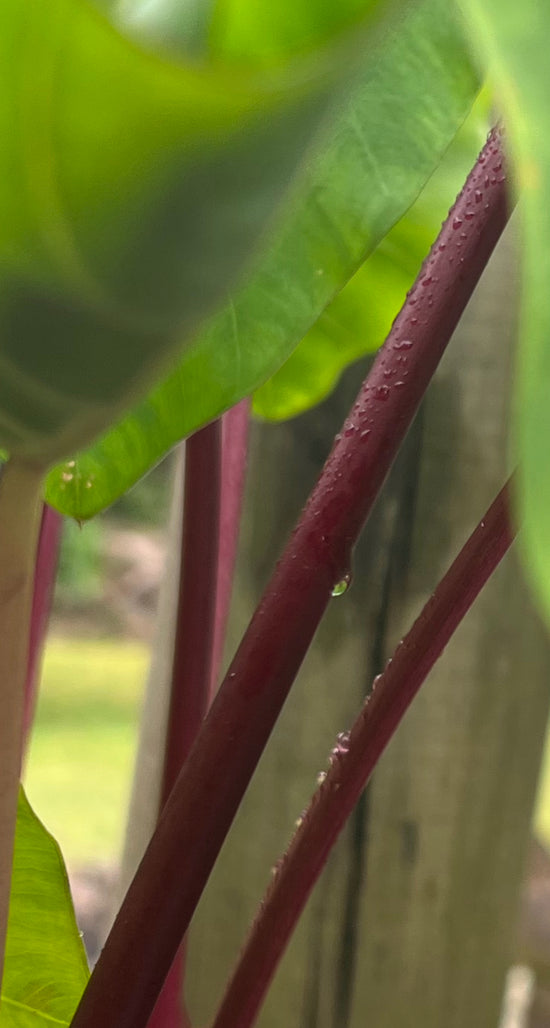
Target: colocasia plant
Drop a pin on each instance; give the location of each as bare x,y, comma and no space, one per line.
202,203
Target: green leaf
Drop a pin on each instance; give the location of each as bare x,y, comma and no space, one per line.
45,969
360,317
514,39
132,191
412,95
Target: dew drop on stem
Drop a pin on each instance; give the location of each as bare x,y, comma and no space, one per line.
342,586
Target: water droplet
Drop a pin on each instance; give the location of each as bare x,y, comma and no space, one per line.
342,586
457,222
389,372
426,281
348,432
403,344
342,743
299,822
414,321
469,215
442,247
478,195
67,476
321,777
382,392
365,433
398,384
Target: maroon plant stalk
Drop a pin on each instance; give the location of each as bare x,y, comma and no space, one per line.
353,760
165,891
234,454
47,556
195,623
215,460
193,662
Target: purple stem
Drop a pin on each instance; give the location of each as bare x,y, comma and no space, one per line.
234,450
193,646
47,555
214,482
168,884
193,665
353,760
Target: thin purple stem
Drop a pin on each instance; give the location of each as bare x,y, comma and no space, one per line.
193,662
47,555
195,625
234,454
168,884
353,760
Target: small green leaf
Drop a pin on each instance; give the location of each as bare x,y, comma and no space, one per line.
412,95
45,968
514,38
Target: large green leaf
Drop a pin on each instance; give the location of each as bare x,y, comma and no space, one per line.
411,98
45,966
515,39
132,190
360,317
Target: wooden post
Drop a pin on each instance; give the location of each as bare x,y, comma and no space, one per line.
413,922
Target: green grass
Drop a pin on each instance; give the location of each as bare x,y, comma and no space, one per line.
81,759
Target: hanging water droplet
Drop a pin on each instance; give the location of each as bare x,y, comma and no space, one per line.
339,588
457,222
321,777
403,344
382,392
